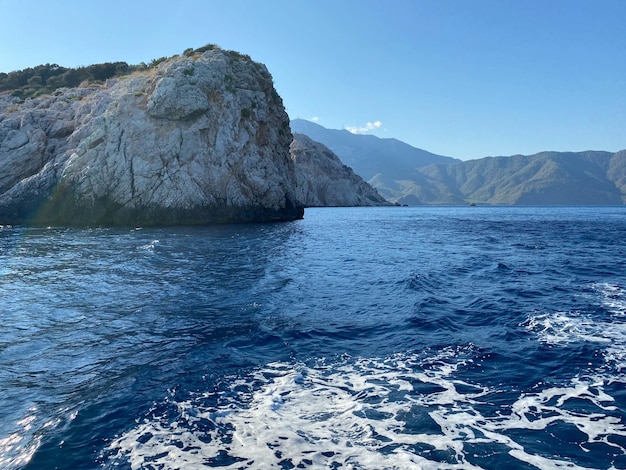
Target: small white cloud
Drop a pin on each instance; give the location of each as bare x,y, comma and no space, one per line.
370,126
314,119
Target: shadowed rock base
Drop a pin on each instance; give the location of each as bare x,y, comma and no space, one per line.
63,209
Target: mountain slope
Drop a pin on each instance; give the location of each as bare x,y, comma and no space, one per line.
369,155
547,178
323,180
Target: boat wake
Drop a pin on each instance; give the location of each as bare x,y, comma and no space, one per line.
399,412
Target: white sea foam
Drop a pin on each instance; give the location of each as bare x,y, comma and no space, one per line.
150,246
395,413
566,327
608,332
613,298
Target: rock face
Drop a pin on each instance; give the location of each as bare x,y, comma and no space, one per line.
322,180
199,139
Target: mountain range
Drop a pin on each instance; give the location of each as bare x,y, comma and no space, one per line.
366,154
408,175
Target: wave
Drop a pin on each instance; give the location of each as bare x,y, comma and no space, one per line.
608,330
400,412
18,448
613,298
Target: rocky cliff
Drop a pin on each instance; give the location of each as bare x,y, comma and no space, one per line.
202,138
323,180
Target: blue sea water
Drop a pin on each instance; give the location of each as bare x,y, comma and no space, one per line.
361,338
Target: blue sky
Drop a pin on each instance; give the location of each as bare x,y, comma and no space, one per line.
462,78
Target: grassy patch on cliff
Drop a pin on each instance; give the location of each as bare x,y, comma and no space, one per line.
45,79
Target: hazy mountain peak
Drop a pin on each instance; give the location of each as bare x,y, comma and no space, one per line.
365,153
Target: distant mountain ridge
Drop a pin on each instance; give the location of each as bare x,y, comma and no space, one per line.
366,154
412,176
547,178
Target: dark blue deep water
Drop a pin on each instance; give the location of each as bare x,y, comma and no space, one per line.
367,338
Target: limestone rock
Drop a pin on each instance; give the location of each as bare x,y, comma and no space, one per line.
199,139
323,180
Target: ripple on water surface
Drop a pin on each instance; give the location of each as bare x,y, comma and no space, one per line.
355,338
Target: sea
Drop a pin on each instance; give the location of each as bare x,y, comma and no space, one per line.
355,338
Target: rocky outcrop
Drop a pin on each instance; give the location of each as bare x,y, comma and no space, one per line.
322,180
202,138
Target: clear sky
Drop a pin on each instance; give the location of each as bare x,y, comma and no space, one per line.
462,78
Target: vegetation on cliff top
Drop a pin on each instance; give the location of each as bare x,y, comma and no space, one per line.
45,79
